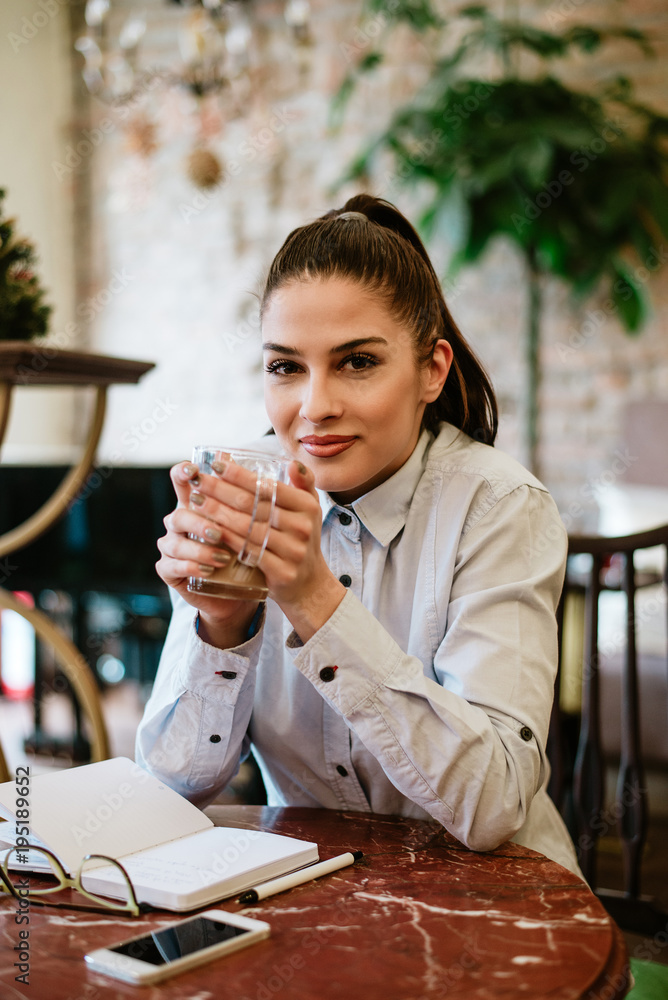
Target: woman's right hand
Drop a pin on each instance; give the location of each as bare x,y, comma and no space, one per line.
223,622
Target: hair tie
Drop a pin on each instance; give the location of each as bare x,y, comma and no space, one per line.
353,215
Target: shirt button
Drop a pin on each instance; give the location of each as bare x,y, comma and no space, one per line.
215,738
526,733
342,771
345,580
345,518
328,673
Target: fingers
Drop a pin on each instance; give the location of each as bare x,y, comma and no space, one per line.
185,477
301,477
184,556
235,485
229,509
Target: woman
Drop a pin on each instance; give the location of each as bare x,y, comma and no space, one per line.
405,660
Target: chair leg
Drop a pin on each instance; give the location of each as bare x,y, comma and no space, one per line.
631,790
588,772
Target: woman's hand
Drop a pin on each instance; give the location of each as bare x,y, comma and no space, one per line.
223,622
298,577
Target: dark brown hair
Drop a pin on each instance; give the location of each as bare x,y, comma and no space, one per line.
383,252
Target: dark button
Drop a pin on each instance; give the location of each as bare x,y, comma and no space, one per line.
526,733
328,673
229,675
342,771
345,580
345,518
215,738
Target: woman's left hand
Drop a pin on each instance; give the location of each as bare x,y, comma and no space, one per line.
298,578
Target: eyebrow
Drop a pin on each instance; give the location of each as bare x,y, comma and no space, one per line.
348,346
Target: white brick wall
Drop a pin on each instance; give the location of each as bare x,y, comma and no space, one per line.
194,260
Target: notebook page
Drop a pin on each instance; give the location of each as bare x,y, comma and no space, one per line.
111,807
224,857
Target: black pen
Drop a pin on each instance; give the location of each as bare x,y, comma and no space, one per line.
275,885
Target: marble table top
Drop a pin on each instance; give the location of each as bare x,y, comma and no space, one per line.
419,918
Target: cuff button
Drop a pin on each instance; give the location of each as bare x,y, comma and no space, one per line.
526,734
328,673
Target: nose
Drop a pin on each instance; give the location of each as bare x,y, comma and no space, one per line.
320,401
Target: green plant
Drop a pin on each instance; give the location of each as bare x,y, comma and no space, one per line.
577,181
22,313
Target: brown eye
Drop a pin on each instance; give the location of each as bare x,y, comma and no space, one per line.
281,368
360,362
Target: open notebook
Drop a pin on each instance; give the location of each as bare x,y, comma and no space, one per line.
177,859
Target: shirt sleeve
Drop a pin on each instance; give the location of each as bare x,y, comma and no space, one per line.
193,733
463,737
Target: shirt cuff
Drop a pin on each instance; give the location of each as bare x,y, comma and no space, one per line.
349,657
209,671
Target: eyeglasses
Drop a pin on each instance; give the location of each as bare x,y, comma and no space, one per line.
22,861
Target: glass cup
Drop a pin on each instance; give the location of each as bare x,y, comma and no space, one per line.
242,579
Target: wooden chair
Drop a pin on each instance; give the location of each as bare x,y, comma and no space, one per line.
577,787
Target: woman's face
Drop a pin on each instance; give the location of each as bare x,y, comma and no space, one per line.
342,388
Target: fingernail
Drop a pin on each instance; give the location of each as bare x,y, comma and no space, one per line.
195,480
212,534
302,468
219,467
220,557
190,470
205,570
197,499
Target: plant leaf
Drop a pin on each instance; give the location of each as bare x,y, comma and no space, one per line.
628,298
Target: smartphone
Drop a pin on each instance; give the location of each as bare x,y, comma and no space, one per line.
150,958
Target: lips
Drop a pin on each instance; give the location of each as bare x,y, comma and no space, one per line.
326,445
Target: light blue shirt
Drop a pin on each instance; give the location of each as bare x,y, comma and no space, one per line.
442,654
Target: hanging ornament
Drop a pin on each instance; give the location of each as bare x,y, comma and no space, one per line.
204,168
141,136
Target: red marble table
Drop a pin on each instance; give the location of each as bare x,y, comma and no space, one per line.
419,918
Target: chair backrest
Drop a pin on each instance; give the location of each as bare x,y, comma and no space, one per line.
577,787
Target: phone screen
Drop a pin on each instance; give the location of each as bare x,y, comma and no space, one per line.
165,946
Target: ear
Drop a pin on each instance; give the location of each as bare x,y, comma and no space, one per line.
437,370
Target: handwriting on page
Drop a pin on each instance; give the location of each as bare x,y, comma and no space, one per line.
160,873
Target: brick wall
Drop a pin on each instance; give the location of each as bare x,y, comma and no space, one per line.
173,270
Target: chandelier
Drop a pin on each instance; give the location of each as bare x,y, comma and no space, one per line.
216,54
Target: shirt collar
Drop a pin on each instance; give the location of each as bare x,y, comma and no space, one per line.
383,510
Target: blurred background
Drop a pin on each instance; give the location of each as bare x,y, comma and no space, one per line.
155,155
